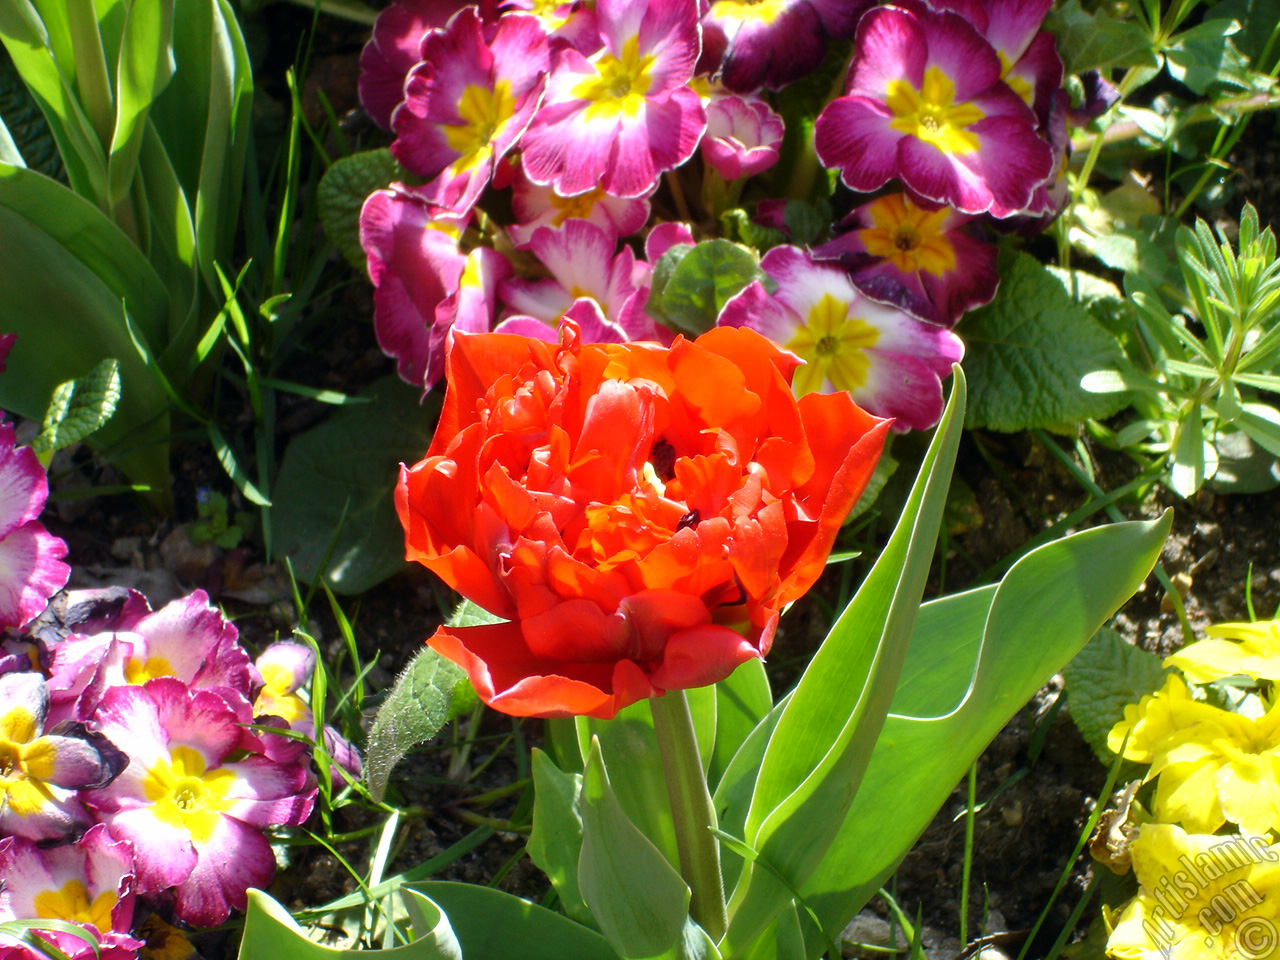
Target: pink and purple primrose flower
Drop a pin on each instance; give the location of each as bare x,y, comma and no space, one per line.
196,795
891,363
31,567
925,102
89,882
468,101
620,117
926,259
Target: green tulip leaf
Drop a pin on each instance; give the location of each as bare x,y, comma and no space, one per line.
634,893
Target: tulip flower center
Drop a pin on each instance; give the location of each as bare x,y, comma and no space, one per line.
482,111
931,113
911,238
620,83
186,795
833,346
72,903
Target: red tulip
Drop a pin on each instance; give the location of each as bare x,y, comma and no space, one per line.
638,514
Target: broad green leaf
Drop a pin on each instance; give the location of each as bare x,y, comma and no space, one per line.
1258,19
342,192
414,711
555,843
1188,471
629,748
79,408
486,922
336,483
1262,425
67,320
636,896
975,658
1096,41
1103,678
143,67
824,737
1205,57
1028,350
86,234
663,271
40,45
742,701
703,282
270,933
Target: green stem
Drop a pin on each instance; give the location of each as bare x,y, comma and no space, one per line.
692,811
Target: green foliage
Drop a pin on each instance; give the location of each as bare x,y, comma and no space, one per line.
1027,351
691,285
485,922
78,408
334,505
343,190
1190,388
635,895
215,524
1105,676
270,933
149,106
417,706
1098,40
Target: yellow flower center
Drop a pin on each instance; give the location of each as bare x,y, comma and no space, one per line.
26,760
482,112
140,671
931,113
1019,84
765,11
579,206
833,346
911,237
186,795
620,83
72,904
277,696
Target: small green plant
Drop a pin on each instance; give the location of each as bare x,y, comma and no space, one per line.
1198,378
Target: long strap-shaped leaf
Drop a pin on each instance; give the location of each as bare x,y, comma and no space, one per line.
824,737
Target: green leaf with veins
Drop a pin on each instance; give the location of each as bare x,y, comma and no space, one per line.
1027,351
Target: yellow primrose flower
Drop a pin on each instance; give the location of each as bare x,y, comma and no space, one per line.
1199,896
1224,767
1252,649
1156,718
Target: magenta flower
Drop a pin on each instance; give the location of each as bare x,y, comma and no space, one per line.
925,103
584,262
468,101
924,259
286,668
40,773
89,882
396,45
891,363
193,814
537,206
31,567
424,284
742,138
621,118
771,43
188,638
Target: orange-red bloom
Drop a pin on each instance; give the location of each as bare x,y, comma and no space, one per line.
638,514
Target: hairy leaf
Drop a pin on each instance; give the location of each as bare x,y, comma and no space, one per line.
342,192
1027,351
1105,676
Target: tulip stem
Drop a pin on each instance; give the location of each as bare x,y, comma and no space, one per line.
692,811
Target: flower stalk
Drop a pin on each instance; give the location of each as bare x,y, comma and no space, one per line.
692,811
